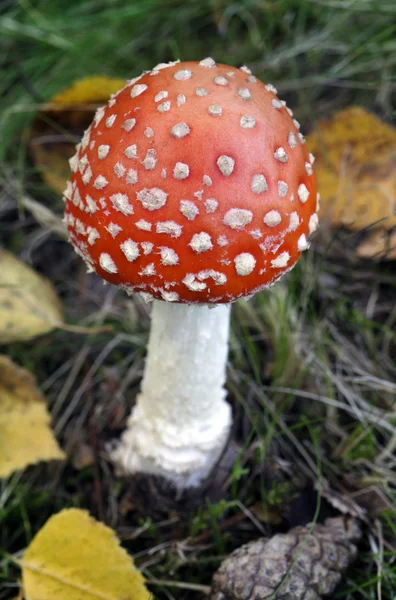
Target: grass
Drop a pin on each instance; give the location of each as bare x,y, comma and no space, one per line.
312,369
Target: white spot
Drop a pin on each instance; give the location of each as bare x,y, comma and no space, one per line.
161,96
82,163
201,242
193,285
259,184
132,176
138,89
145,295
198,194
180,130
147,247
294,221
113,229
291,140
256,234
303,192
68,191
152,198
289,111
91,204
73,162
238,218
247,122
296,124
80,228
180,100
311,158
201,91
208,62
107,263
313,223
280,261
226,164
211,205
169,296
119,170
102,202
131,151
76,199
150,160
189,209
143,225
206,180
218,277
100,182
148,132
163,173
283,188
130,249
280,154
148,271
252,79
270,88
99,115
272,218
220,80
308,168
170,227
244,263
164,106
86,138
168,256
86,178
245,69
244,93
276,103
181,170
103,151
93,235
121,203
302,243
110,120
215,110
129,124
222,240
161,66
182,75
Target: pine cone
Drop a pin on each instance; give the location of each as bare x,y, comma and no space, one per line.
308,560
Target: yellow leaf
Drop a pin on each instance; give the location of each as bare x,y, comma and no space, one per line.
61,124
90,90
74,557
29,305
25,435
356,170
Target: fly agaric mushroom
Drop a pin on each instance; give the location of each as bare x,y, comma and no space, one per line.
194,187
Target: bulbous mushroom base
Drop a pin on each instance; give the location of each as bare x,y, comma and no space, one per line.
183,455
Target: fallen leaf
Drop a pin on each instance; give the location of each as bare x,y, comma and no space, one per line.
25,434
356,174
74,557
29,305
60,125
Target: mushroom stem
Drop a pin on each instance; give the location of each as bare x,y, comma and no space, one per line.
181,422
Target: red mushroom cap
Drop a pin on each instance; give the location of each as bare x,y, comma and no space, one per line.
192,185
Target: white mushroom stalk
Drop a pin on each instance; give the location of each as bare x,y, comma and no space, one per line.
181,422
